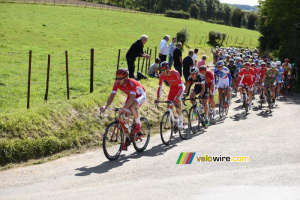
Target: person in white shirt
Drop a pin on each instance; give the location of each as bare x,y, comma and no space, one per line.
195,58
163,48
171,50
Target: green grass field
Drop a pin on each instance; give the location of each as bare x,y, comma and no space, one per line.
59,124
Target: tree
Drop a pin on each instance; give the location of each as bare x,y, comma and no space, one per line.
236,17
194,11
279,26
252,19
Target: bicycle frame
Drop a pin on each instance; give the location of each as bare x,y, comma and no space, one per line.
170,109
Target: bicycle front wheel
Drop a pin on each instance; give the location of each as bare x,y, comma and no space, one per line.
246,104
113,139
222,106
142,138
194,120
166,128
184,132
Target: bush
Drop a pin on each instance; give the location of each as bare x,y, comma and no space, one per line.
177,14
182,36
213,36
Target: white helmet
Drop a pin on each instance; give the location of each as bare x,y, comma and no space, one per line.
278,62
273,65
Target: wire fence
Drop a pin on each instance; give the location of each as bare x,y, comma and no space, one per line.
33,78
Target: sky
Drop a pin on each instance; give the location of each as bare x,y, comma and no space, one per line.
245,2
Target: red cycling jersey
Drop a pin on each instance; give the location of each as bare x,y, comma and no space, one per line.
247,77
132,87
209,77
175,82
262,72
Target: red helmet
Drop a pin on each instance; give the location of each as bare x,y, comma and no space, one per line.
286,60
122,72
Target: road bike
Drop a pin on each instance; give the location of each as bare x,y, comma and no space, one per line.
118,137
197,115
169,123
246,98
223,104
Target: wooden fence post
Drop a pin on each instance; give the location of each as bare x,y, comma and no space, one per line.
143,63
236,39
138,64
92,72
47,81
29,79
119,59
195,39
67,75
155,52
146,60
149,62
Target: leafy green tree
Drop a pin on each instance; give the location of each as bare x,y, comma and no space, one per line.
194,11
236,17
252,19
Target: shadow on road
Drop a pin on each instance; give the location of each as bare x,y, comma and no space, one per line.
157,150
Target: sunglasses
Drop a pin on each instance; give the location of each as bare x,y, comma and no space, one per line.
162,70
202,70
119,78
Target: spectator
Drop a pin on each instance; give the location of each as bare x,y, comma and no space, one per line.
195,58
187,64
163,48
202,62
171,50
136,50
177,56
153,72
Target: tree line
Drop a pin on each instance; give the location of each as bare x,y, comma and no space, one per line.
208,10
280,28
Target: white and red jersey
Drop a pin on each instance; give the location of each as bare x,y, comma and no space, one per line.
131,87
262,72
247,77
175,82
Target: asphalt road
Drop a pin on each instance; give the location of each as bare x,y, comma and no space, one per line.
270,140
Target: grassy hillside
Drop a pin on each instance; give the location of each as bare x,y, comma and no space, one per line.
61,124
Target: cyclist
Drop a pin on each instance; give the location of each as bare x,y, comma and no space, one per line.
136,96
176,88
238,64
209,77
280,77
261,74
247,77
222,74
233,71
286,67
268,79
200,88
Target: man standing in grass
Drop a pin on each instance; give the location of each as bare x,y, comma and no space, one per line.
136,50
163,48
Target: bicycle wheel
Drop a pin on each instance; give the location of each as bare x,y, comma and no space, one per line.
210,113
113,140
226,106
184,132
245,104
284,91
141,139
269,100
166,128
194,120
221,106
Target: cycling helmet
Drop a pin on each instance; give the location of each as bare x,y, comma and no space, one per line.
202,67
278,63
231,61
220,63
256,61
122,72
194,70
246,64
164,65
252,64
263,64
273,65
287,60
